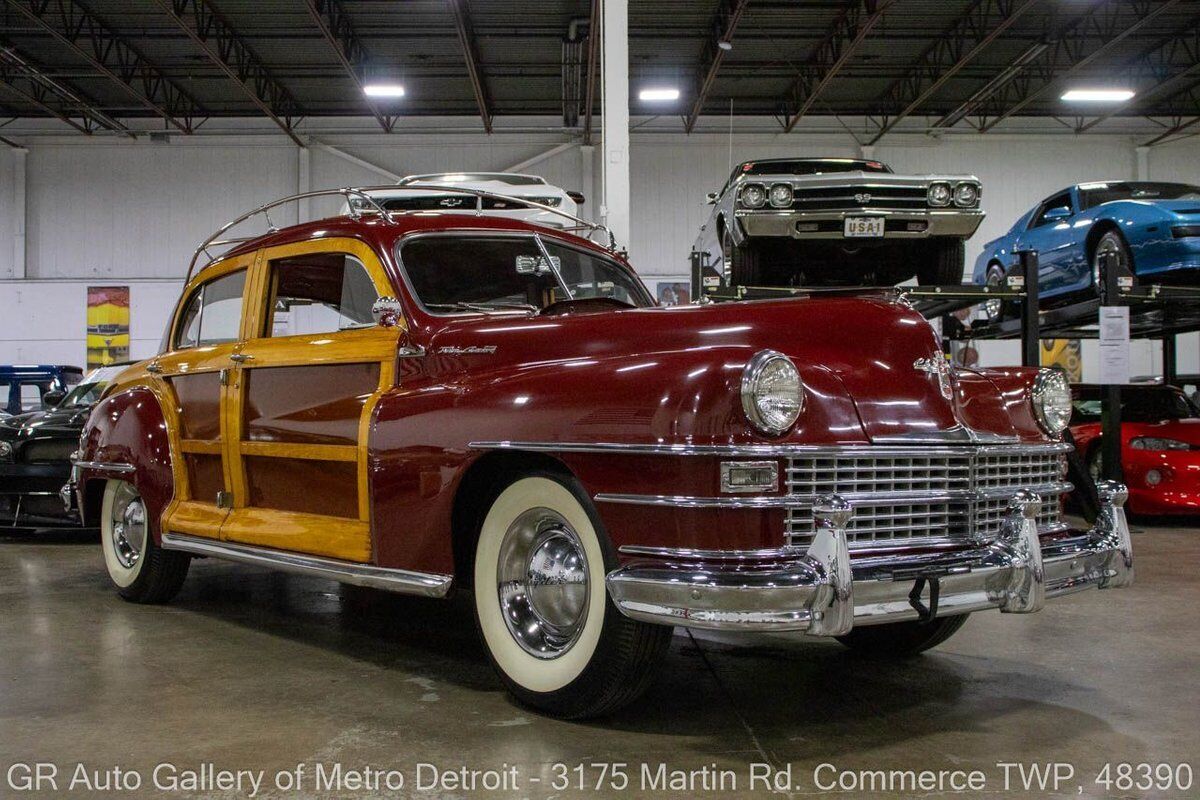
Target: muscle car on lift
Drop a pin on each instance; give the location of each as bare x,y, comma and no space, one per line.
1149,229
428,402
35,452
815,221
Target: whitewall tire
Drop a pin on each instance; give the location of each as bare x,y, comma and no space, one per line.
141,570
542,607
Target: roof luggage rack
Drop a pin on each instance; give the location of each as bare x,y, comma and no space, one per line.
370,205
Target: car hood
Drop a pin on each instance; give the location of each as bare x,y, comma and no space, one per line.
55,421
858,177
1185,430
874,349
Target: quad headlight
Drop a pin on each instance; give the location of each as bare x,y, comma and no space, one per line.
939,194
966,195
781,195
1051,399
772,393
753,195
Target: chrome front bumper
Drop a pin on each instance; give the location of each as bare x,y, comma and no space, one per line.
959,223
823,592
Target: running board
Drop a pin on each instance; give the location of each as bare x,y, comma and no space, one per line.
426,584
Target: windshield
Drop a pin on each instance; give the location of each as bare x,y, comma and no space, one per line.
1094,194
84,394
809,166
475,177
1138,404
481,274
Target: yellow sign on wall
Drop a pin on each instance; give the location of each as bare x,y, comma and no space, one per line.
107,325
1064,353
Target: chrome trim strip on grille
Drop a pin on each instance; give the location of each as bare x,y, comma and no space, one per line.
105,466
687,553
405,581
805,501
759,451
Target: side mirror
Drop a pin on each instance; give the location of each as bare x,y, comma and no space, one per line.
52,398
577,197
712,198
387,312
1057,214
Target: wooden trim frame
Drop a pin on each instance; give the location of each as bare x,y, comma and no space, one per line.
313,534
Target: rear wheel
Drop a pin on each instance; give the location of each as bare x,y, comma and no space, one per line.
944,264
902,639
542,608
993,309
142,571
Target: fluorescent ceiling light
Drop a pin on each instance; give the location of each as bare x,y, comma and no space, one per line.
383,90
658,94
1097,95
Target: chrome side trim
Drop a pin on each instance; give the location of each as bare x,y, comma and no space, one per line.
858,499
759,451
425,584
114,467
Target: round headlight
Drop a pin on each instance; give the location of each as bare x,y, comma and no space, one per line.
939,194
753,195
781,195
1051,398
772,394
966,195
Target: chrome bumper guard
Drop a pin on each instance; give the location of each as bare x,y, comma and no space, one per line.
823,592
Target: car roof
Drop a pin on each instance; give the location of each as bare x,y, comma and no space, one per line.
36,370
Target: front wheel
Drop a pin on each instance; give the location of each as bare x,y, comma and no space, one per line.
543,612
944,264
901,639
142,571
993,308
741,262
1111,247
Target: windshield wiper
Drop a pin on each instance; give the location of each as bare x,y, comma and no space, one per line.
485,308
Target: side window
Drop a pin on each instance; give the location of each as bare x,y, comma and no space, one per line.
213,314
31,395
1051,210
319,293
589,276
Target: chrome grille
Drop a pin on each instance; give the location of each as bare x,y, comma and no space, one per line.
906,496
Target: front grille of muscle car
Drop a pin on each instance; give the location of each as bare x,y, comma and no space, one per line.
854,197
874,482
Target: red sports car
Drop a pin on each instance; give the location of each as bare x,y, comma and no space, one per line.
1160,445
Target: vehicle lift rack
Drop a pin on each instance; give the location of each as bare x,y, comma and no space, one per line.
1155,312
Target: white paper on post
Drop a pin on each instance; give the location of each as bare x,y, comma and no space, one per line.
1114,345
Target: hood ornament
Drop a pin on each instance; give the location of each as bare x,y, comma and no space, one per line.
939,366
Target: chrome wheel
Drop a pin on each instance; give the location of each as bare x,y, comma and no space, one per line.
542,583
127,526
1109,246
993,307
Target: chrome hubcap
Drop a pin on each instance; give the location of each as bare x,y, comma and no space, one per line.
992,307
127,524
542,583
1107,248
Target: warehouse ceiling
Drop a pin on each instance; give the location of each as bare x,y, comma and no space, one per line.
969,64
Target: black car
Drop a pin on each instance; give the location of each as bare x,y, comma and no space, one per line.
35,454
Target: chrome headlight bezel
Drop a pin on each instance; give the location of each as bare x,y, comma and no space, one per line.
761,367
943,202
972,200
785,198
742,201
1051,400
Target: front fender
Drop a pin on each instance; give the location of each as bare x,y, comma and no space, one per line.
129,428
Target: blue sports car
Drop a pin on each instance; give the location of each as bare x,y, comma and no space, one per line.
1152,228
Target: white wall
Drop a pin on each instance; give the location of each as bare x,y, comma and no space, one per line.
127,212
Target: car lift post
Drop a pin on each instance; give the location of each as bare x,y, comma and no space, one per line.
1110,407
1031,342
1170,373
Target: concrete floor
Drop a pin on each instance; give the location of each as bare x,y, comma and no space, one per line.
254,670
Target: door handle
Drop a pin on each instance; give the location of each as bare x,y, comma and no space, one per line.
241,358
